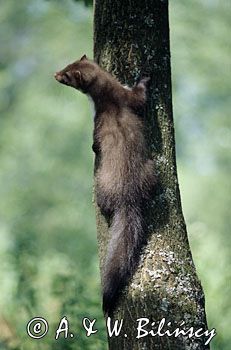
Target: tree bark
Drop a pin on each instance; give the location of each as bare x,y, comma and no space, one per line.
131,40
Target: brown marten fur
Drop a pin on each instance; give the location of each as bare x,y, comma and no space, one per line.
125,174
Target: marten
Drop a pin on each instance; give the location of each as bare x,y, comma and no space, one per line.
125,174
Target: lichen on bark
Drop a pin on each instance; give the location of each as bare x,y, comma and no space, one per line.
131,40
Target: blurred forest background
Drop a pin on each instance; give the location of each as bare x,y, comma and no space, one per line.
48,248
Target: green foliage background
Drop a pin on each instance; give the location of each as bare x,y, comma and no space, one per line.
48,249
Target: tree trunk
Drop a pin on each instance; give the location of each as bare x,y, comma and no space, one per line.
131,40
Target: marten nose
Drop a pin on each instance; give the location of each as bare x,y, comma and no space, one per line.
58,77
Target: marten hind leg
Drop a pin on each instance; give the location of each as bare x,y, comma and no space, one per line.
106,203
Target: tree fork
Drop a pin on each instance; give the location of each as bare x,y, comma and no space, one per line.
131,40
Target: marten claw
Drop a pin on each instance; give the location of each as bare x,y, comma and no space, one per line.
144,81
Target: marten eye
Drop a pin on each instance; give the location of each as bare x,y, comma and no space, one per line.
66,75
66,78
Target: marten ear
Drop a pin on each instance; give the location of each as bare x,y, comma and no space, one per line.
84,57
78,74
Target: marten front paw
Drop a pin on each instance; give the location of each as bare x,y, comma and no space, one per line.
143,82
139,91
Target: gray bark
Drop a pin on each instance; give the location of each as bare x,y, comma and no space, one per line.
131,39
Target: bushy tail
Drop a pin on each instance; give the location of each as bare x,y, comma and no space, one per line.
127,237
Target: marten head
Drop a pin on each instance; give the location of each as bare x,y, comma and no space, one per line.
80,75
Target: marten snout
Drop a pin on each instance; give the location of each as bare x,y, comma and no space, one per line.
62,78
